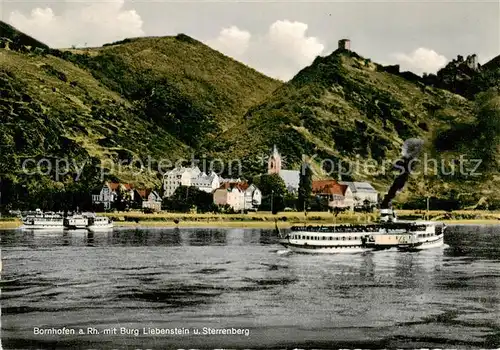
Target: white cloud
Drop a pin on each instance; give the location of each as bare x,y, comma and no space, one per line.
232,41
291,40
421,60
94,24
280,53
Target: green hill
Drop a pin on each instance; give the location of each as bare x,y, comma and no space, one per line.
171,97
345,108
10,35
180,76
148,98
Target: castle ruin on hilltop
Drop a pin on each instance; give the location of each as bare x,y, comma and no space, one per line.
345,44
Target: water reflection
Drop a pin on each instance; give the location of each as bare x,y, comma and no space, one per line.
90,239
201,237
267,237
66,238
473,242
169,277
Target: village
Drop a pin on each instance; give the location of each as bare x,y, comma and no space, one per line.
234,195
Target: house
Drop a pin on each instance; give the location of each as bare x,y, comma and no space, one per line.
238,195
179,176
207,183
253,198
193,176
339,196
291,178
148,199
231,194
108,194
362,191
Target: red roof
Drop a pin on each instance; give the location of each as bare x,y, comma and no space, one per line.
242,186
113,186
144,193
328,187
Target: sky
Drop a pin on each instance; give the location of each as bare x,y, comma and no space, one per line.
278,38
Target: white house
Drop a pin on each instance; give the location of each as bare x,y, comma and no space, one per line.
252,198
361,191
338,195
148,199
207,183
108,194
238,195
192,176
176,177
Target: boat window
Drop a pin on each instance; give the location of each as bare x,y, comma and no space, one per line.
331,238
343,238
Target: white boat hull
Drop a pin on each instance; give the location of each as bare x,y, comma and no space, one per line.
42,227
406,236
98,228
431,244
321,242
325,250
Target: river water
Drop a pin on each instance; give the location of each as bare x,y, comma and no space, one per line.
241,281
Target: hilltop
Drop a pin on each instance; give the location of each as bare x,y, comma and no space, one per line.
466,77
19,39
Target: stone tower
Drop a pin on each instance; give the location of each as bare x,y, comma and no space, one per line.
274,162
345,44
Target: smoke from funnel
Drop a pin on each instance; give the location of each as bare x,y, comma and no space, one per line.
411,149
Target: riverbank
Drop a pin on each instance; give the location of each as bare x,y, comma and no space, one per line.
286,219
267,219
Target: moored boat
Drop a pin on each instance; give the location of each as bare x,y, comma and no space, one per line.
100,223
39,220
75,222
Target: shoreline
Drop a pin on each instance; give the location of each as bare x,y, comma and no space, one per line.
257,224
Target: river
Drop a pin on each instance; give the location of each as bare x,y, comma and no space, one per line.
240,281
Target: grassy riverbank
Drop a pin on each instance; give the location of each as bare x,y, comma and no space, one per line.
285,219
266,219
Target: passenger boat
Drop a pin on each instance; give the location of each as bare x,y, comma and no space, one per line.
100,223
39,220
75,222
388,233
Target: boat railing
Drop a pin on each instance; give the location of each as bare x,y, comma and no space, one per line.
361,228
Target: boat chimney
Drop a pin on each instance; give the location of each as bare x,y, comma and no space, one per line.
388,215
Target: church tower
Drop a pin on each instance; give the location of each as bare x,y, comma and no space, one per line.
274,163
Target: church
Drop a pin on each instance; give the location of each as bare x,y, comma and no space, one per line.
290,177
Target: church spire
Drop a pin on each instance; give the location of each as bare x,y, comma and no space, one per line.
274,163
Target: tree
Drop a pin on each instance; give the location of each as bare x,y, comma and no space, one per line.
488,122
305,187
273,191
185,198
